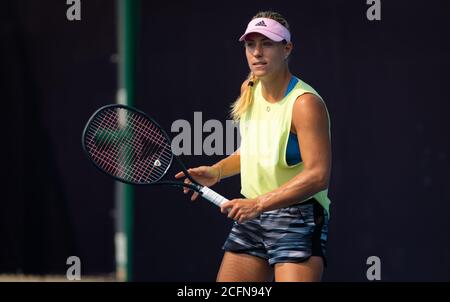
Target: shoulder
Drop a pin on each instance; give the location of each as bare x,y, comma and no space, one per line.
309,101
308,107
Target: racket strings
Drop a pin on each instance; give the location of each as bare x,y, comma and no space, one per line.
120,139
160,144
113,141
110,161
159,153
139,128
128,145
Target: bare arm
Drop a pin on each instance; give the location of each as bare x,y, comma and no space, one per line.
229,166
310,121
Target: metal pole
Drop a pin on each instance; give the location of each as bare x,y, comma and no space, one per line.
127,19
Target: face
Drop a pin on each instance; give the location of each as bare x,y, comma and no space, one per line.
264,56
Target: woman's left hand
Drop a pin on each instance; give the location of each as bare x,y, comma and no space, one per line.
242,210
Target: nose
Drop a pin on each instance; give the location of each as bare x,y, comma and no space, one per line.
258,51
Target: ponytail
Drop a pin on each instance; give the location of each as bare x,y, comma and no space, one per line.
244,101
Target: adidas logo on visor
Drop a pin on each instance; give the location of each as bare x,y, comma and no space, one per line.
261,23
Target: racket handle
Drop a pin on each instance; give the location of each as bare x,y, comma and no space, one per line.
212,196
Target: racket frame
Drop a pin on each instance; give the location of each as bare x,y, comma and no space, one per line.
194,186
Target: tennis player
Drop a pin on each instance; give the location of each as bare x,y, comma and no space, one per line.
281,226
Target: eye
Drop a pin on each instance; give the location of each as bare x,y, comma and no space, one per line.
267,43
249,44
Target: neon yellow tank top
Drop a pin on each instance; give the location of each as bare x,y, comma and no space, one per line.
264,130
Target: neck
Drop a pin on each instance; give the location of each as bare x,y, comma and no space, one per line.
274,86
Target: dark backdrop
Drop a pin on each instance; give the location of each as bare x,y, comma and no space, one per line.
385,83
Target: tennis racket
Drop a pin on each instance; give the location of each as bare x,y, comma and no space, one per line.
131,147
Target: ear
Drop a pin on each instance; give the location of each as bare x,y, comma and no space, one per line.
287,49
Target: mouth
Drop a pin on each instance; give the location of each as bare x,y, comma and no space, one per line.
259,64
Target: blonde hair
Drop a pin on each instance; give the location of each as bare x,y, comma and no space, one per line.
245,99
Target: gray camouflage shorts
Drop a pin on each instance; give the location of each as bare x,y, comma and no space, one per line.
291,234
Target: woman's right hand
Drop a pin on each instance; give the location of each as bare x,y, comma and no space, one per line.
204,175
